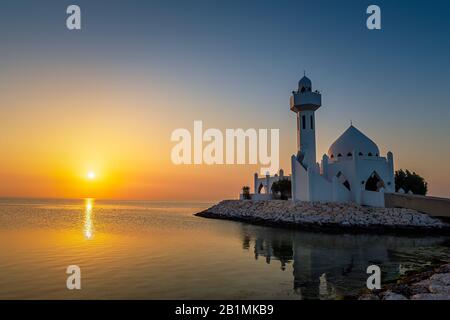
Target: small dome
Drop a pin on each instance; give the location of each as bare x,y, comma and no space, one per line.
304,83
353,139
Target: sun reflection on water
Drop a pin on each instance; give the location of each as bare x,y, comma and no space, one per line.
88,224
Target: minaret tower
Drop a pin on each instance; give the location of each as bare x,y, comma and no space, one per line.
304,103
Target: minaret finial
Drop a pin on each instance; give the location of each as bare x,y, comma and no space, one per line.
351,122
304,73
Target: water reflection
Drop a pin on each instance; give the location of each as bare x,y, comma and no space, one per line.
159,250
88,229
327,265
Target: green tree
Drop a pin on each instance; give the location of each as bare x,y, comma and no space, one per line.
246,192
410,181
283,188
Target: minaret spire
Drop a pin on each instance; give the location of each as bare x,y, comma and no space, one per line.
304,102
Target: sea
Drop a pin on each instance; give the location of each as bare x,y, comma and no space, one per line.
161,250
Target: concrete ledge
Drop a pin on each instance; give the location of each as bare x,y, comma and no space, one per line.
437,207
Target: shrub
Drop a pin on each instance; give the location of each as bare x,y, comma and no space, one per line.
246,192
410,181
283,188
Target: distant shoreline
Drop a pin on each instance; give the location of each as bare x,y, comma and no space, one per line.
317,217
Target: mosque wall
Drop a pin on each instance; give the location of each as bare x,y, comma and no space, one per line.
322,189
372,198
300,183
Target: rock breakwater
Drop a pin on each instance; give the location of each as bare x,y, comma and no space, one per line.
324,215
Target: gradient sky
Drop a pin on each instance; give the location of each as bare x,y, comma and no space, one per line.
107,98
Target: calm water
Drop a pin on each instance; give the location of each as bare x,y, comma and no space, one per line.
159,250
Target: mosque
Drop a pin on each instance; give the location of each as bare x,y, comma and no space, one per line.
352,170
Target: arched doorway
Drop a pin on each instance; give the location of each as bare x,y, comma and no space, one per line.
261,188
374,183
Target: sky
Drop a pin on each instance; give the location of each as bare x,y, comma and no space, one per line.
107,98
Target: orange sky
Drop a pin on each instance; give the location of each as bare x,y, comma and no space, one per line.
53,135
55,129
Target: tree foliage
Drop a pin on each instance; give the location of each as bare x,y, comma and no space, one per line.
282,188
246,192
410,181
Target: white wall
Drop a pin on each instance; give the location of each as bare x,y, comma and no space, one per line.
257,197
340,192
322,190
359,169
372,198
300,187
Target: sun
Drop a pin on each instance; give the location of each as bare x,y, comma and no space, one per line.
91,175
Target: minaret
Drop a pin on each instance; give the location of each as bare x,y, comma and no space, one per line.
304,102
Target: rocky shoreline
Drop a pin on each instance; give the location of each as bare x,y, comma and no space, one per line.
332,217
432,283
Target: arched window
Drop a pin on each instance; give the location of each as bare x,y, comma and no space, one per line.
374,182
304,122
332,156
369,154
343,180
311,122
339,155
376,154
349,154
260,188
302,90
347,185
360,153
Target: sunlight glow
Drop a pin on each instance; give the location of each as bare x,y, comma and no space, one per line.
88,224
91,175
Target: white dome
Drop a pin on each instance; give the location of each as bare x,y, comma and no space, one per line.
304,83
353,139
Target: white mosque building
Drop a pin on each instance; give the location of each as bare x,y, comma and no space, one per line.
352,170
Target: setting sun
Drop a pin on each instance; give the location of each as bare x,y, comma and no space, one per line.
91,175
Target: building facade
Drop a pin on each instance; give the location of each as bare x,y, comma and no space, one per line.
352,170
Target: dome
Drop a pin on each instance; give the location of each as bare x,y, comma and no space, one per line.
353,139
304,83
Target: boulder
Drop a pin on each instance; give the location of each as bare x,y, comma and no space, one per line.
389,295
369,296
430,296
440,283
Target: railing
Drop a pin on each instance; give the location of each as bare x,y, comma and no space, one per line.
306,98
